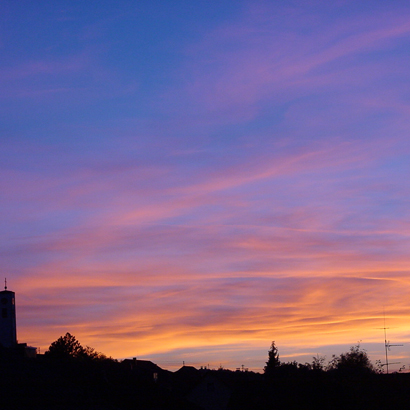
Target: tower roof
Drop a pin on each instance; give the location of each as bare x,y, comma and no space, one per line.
5,288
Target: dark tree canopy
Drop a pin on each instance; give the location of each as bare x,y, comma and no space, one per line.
273,360
68,346
318,363
353,361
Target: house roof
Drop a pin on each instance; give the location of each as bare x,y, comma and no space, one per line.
142,365
187,370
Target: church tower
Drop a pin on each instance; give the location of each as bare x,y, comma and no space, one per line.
8,332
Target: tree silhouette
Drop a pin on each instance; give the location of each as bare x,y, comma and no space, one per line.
273,360
68,347
318,363
92,354
353,361
65,347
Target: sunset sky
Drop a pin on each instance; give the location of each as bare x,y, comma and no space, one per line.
191,180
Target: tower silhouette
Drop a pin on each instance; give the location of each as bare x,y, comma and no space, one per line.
8,331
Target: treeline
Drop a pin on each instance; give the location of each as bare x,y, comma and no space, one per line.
348,381
72,376
355,361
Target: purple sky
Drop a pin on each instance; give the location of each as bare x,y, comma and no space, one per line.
192,180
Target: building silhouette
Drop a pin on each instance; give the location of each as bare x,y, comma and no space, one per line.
8,329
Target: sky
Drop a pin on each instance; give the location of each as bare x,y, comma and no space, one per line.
189,181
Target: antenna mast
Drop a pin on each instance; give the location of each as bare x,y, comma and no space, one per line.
387,344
